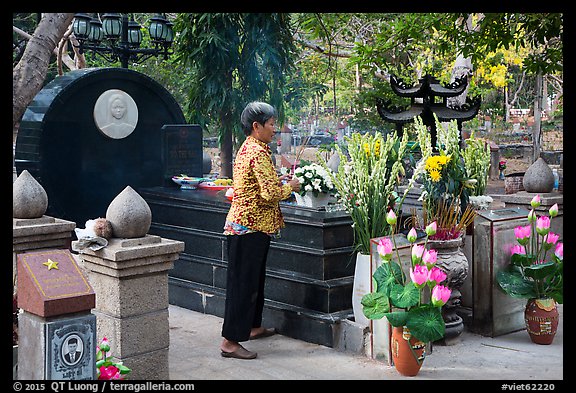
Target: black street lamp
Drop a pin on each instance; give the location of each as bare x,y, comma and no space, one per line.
122,37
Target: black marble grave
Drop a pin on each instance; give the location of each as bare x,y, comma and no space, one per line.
310,267
81,169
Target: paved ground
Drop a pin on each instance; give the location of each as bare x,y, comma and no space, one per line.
195,355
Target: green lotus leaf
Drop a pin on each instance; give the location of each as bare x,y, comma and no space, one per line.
541,270
404,296
515,285
375,305
397,318
426,323
522,259
386,275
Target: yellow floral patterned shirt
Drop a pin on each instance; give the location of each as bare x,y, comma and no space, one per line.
257,191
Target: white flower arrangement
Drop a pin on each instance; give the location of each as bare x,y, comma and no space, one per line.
313,178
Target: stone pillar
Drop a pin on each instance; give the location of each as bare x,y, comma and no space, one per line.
130,278
494,161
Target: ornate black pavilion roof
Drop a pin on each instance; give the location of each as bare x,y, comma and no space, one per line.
428,86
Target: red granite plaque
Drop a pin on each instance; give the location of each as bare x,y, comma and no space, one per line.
51,283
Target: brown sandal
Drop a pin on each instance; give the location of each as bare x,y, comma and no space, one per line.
264,333
240,353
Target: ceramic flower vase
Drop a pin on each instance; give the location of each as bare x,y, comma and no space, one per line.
541,317
309,200
408,352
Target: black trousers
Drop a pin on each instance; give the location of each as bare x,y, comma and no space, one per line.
245,284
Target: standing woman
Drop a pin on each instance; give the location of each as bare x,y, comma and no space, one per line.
254,218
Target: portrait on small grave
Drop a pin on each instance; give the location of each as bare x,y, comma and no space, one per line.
115,114
72,349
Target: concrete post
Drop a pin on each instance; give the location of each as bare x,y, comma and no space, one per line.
130,279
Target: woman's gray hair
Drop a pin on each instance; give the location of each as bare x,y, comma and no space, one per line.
256,111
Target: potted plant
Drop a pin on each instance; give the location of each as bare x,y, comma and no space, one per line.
315,185
536,273
413,307
366,181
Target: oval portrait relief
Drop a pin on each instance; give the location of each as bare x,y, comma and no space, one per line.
72,349
115,114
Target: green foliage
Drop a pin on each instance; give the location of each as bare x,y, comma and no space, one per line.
476,157
366,181
235,58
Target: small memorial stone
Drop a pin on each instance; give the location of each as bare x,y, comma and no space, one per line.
51,283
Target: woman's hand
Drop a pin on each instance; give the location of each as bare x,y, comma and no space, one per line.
295,184
284,178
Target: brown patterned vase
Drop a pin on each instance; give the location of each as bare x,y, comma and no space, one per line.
541,317
408,352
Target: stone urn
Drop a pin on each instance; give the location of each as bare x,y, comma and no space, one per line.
29,199
129,215
452,260
538,178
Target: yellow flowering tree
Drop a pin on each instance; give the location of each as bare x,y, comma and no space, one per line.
366,181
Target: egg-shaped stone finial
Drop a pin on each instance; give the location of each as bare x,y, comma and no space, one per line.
29,199
538,177
129,215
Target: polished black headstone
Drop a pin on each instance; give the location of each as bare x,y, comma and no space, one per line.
182,149
81,168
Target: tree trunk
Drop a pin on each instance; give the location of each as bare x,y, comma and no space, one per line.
226,147
536,128
29,74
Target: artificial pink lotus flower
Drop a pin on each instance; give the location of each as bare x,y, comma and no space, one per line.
532,216
440,295
431,229
535,202
550,239
385,248
553,211
109,373
417,253
517,249
412,235
391,217
104,345
543,225
436,275
522,234
430,257
419,275
559,251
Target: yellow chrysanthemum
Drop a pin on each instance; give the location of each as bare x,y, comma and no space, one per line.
434,175
443,160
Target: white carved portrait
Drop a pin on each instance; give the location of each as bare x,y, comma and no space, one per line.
115,114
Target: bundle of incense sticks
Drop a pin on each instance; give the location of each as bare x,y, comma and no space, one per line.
299,153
